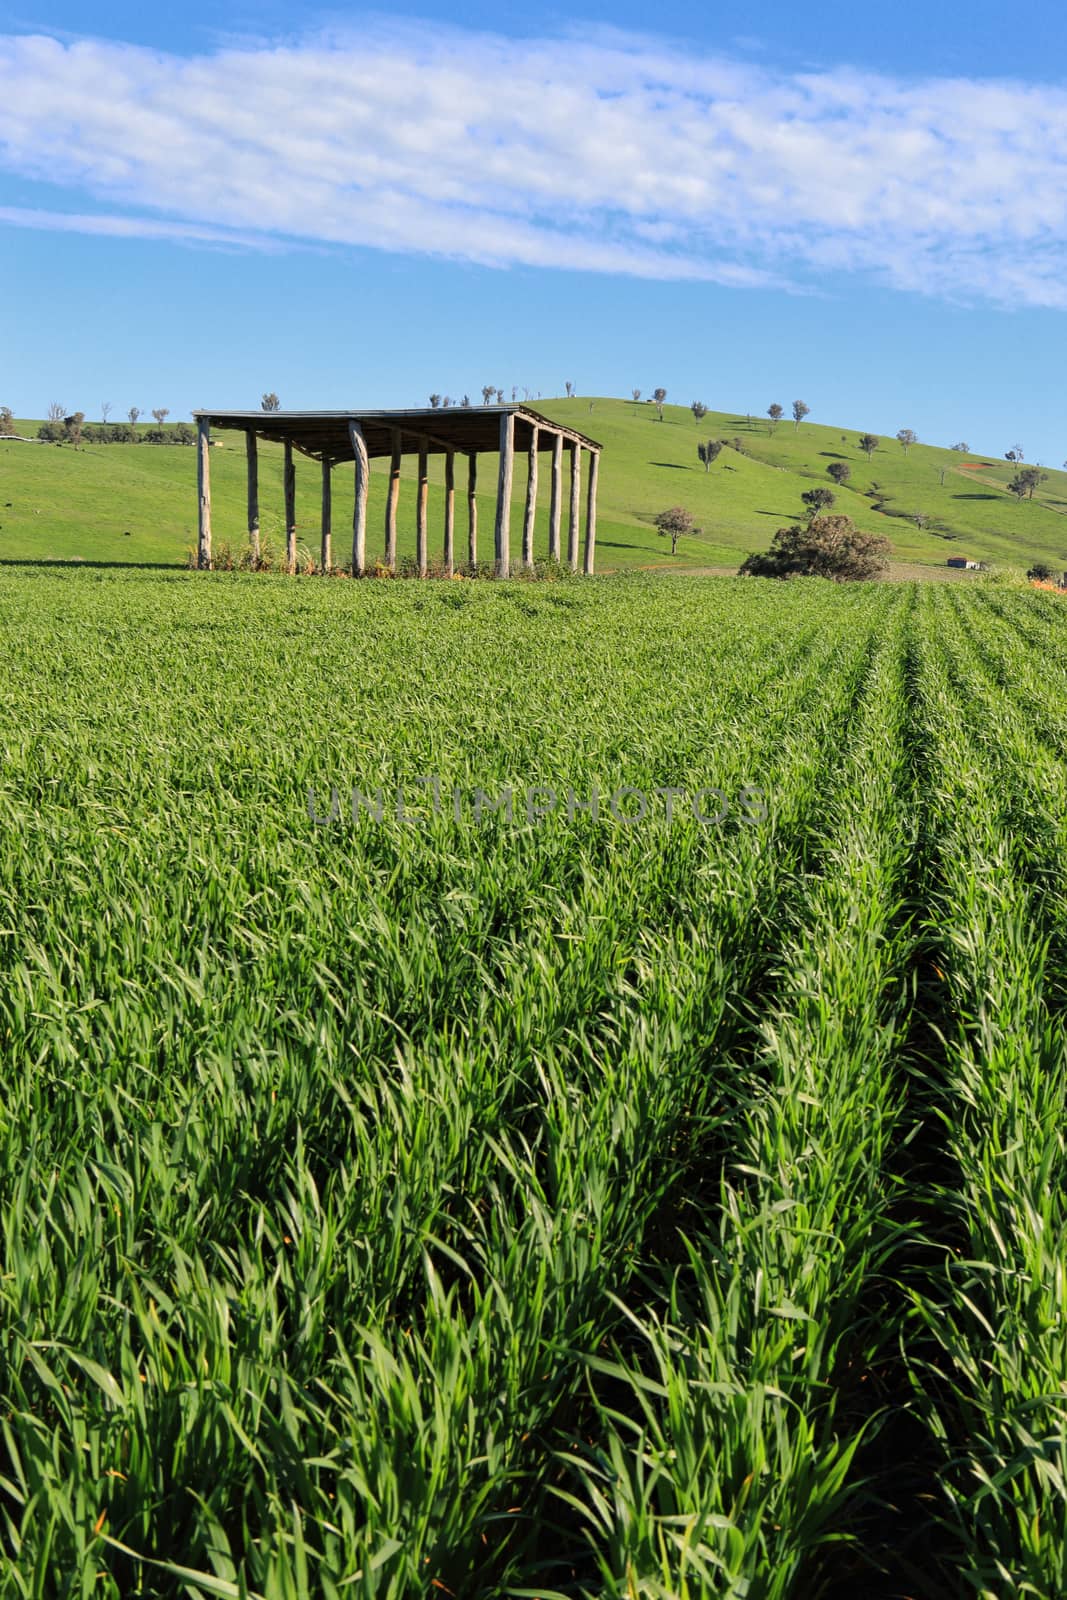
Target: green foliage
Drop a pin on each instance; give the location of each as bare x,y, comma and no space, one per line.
840,471
428,1206
828,547
818,500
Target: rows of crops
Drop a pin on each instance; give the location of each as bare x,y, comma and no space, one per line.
547,1199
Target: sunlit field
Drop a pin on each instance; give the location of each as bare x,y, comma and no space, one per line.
652,1184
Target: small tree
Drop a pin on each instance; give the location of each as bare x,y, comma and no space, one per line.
829,547
637,395
270,402
56,411
488,391
105,411
709,452
800,411
435,401
569,386
1025,482
699,409
906,438
920,519
674,524
941,475
776,414
133,413
1041,572
74,424
818,501
963,448
500,397
161,413
868,444
658,397
840,471
7,420
466,400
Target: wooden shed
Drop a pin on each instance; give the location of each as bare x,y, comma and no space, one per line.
334,438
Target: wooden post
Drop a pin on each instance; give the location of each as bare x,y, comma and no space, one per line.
472,508
576,489
359,510
531,501
203,486
289,473
555,503
252,457
450,511
392,498
502,539
420,511
326,556
590,512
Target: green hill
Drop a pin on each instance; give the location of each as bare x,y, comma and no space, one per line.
137,502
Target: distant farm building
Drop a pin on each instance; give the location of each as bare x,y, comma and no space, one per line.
962,561
333,438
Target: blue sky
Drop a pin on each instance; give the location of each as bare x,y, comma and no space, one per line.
866,210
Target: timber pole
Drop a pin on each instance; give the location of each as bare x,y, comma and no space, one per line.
450,511
391,499
420,511
290,508
326,555
252,457
502,532
576,490
590,513
359,510
556,498
529,519
472,508
203,486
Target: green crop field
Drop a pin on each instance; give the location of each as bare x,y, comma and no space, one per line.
137,503
413,1196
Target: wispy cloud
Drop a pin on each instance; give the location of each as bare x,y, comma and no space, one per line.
617,155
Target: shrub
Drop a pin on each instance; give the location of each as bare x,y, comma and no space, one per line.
829,547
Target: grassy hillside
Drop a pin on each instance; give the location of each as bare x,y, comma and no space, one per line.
137,503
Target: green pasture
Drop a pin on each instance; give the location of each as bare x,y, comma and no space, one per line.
655,1186
137,503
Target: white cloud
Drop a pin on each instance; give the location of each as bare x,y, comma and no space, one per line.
614,155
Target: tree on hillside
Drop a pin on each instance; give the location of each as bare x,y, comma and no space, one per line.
270,402
488,391
818,501
906,437
964,449
74,424
920,519
1015,454
829,547
133,413
637,395
161,413
105,411
1025,482
709,452
569,387
658,397
1041,572
800,411
840,471
699,409
56,411
776,414
435,401
466,400
868,444
674,525
7,420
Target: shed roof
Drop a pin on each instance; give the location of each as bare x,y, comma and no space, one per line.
324,434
